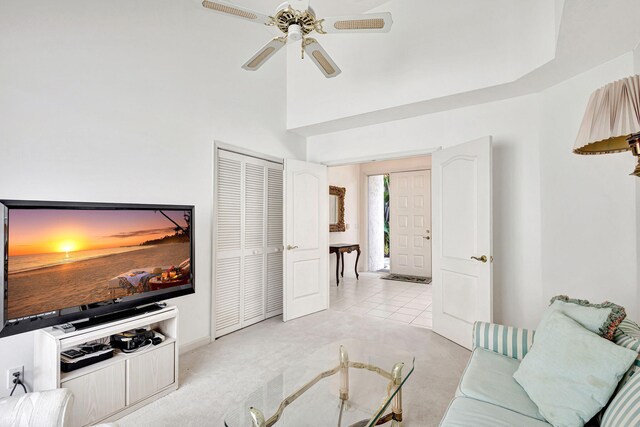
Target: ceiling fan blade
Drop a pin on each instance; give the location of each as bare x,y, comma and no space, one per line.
230,9
266,52
367,23
320,57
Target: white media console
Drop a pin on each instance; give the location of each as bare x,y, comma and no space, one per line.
108,390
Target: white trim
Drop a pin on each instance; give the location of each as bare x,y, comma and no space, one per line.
218,145
192,345
382,157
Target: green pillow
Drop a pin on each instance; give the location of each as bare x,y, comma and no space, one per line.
601,319
570,373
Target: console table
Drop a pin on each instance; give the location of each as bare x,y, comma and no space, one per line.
339,249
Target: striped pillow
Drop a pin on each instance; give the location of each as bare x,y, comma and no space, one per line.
624,409
628,335
506,340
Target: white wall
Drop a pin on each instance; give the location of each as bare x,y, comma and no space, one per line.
120,101
347,176
534,192
588,202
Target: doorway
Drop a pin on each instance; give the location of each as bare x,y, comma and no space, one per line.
398,223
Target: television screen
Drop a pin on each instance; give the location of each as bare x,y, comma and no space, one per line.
71,258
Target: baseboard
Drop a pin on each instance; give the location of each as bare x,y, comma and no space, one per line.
192,345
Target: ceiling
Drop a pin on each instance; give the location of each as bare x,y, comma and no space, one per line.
497,49
322,7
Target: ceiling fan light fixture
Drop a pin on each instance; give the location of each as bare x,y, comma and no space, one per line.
296,19
295,32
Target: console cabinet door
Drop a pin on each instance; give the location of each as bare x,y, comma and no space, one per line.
97,395
150,372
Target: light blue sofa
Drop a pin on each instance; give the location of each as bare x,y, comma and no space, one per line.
487,395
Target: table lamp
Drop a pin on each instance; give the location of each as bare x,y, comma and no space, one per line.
611,123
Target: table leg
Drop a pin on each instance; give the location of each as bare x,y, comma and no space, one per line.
337,268
396,404
342,260
357,258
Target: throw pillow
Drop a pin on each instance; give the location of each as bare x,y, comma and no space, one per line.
570,373
601,319
624,409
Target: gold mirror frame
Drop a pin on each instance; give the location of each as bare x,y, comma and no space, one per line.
339,192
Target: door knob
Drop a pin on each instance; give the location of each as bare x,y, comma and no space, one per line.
289,247
483,258
426,237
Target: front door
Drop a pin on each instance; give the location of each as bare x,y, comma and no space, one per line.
410,223
306,260
462,270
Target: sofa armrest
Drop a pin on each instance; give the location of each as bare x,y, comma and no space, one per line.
46,408
506,340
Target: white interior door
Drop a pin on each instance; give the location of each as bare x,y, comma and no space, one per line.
462,222
410,223
306,259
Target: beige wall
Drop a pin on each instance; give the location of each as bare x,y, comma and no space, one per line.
348,177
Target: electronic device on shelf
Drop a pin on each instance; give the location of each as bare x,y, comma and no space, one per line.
134,340
137,255
84,355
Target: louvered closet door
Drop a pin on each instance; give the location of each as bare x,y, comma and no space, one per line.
248,241
228,243
254,243
275,247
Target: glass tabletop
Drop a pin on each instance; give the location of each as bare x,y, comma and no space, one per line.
345,384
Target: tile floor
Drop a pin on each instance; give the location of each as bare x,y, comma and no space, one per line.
402,302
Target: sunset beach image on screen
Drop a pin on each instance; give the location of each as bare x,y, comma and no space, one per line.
61,258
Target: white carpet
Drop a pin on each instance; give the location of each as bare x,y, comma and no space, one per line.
216,377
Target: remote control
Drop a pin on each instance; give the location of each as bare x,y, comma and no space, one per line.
65,327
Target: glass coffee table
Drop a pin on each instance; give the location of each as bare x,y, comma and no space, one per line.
343,385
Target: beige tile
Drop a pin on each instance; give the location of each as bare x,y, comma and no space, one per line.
386,307
417,305
412,311
378,313
406,318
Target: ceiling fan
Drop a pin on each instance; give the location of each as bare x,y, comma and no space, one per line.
296,19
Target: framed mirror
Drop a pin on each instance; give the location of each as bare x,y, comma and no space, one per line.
336,208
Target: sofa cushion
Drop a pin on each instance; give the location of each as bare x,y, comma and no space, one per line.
570,372
628,336
489,378
624,409
466,412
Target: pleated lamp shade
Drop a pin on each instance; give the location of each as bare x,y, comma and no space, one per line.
613,114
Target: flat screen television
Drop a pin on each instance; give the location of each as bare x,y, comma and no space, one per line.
65,262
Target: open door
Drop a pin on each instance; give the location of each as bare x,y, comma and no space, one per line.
462,223
306,239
